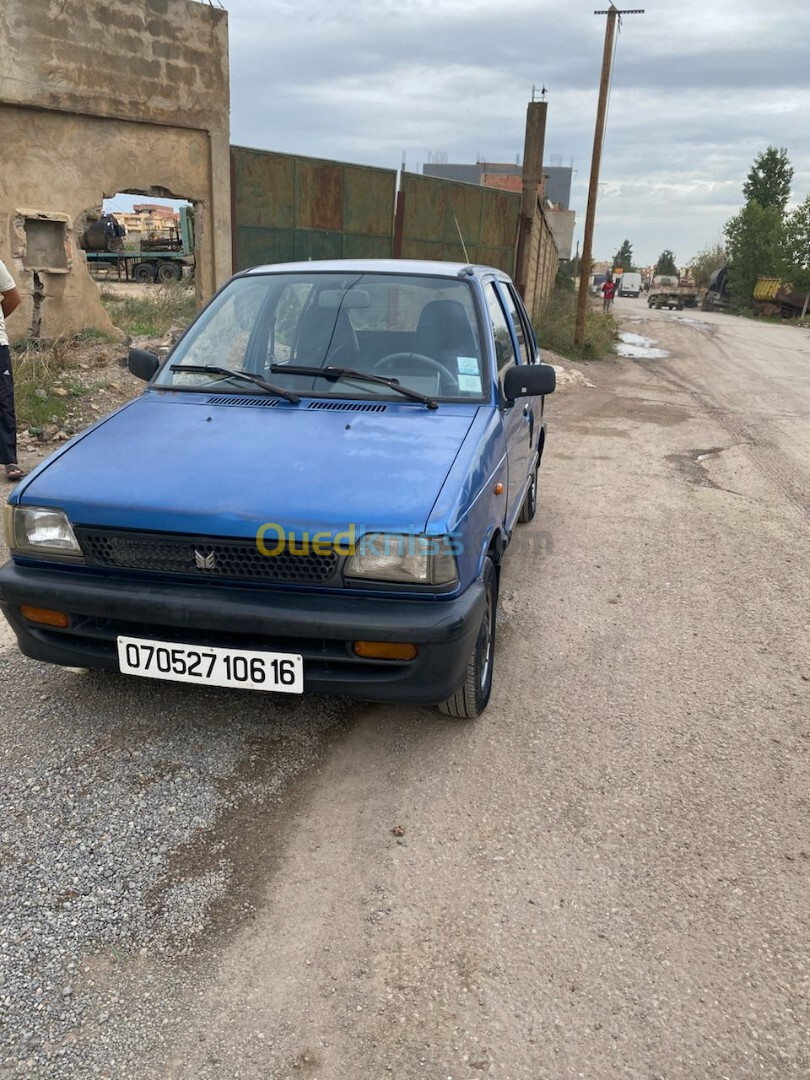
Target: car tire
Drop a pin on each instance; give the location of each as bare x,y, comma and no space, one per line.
529,508
471,699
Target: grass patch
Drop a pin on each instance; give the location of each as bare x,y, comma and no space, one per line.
40,370
152,315
91,336
556,321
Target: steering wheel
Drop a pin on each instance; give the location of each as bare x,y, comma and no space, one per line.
426,361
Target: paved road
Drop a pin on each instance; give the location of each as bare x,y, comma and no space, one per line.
607,875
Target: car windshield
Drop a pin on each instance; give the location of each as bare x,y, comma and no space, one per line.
421,331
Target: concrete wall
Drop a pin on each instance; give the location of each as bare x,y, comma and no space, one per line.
97,97
542,263
538,257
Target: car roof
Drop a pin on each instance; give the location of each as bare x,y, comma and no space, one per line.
380,266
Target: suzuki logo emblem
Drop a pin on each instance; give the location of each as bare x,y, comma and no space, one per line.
205,562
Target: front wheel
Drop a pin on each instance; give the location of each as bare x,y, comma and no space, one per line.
471,700
529,508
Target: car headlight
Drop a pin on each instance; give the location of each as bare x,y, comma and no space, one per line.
40,530
412,560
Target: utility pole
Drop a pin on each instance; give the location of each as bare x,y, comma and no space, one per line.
613,14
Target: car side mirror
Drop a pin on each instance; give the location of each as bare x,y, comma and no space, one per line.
529,380
143,364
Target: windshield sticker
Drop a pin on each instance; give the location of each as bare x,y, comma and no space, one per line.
469,384
467,365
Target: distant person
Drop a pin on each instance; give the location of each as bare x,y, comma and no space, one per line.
8,421
608,292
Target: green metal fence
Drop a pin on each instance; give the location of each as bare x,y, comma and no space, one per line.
289,208
435,215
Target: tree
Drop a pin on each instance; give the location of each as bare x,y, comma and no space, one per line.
666,263
706,262
623,259
797,230
769,180
757,247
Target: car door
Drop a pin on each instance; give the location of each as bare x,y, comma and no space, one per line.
529,353
516,420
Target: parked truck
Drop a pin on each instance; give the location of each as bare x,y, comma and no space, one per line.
716,295
160,256
772,296
670,291
629,283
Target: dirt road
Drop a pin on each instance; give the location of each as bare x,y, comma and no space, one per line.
607,875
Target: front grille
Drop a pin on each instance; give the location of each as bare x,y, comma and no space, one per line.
203,557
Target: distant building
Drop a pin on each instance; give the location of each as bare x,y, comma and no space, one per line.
503,181
557,180
147,220
562,224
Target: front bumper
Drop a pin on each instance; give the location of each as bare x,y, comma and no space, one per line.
321,627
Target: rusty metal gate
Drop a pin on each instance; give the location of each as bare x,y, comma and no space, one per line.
432,213
288,208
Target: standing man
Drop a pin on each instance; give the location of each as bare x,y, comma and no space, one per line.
608,292
10,297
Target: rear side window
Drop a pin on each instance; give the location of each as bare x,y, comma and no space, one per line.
504,349
520,330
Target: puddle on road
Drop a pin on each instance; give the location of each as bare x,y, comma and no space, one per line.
697,324
638,347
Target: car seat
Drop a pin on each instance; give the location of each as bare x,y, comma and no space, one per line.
444,333
326,333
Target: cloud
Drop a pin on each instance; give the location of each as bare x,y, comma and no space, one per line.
698,90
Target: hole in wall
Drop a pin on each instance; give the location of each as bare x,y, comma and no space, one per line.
149,239
44,244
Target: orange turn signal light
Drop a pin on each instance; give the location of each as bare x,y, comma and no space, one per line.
45,616
385,650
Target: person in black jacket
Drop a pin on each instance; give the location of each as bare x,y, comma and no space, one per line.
8,422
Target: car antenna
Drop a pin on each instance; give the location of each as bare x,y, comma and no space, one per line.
461,238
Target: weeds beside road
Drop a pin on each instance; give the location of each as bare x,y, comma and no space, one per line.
54,381
151,315
556,322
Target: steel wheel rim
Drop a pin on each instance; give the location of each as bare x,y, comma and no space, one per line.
485,641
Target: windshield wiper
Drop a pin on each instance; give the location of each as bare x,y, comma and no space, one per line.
335,373
232,373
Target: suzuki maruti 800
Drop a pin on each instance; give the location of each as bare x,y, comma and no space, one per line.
315,492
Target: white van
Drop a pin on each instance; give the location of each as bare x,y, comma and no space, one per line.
629,284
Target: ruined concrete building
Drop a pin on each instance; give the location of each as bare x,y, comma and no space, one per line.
99,97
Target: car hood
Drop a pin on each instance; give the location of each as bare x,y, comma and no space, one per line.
176,463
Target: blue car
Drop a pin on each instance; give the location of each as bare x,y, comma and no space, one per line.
314,493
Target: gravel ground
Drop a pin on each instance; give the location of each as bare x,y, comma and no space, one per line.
607,875
110,793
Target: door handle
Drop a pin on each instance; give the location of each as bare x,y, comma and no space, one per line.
526,411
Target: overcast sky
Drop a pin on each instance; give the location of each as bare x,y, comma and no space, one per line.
699,88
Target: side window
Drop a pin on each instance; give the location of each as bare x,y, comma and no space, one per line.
527,328
504,349
520,331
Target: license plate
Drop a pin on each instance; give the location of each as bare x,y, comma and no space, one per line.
282,673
